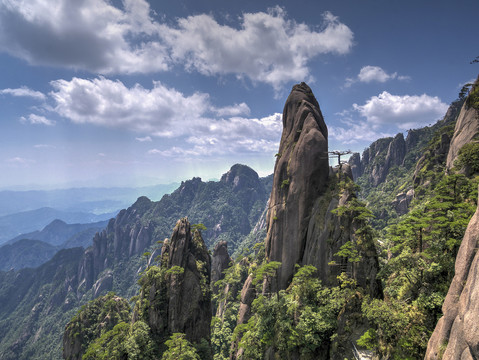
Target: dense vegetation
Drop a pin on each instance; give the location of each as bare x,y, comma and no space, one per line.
418,249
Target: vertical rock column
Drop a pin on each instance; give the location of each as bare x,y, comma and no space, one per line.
300,176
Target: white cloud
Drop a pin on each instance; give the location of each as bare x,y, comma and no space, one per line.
235,110
405,112
355,132
96,36
384,115
89,34
110,103
374,73
370,73
25,92
166,113
37,120
268,47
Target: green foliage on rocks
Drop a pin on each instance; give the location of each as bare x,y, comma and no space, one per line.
299,320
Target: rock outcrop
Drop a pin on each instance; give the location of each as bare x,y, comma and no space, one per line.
466,130
302,228
457,333
355,165
220,261
179,302
328,232
125,236
300,176
402,201
381,156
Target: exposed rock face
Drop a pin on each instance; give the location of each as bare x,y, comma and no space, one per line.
220,261
246,181
327,232
125,236
248,294
457,333
300,176
355,164
466,130
394,157
401,204
180,303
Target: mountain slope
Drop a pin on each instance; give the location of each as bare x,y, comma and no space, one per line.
25,253
55,290
58,232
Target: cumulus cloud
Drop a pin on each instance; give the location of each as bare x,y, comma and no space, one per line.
96,36
384,115
157,111
89,34
355,132
37,120
268,47
370,73
404,112
164,112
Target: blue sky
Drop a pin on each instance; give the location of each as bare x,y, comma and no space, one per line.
130,93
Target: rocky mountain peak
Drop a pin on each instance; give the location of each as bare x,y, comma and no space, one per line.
181,301
300,176
241,177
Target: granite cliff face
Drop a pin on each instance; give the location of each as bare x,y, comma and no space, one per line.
179,301
457,333
466,130
379,158
126,235
220,261
174,298
302,228
300,176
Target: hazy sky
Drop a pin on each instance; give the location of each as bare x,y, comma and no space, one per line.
98,92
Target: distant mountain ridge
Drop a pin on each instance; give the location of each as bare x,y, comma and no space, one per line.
35,248
13,225
90,200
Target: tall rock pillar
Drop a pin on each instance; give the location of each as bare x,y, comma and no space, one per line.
300,176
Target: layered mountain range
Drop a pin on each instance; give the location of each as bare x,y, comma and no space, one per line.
229,209
330,279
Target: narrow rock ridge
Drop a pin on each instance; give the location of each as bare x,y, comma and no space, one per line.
456,335
300,176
